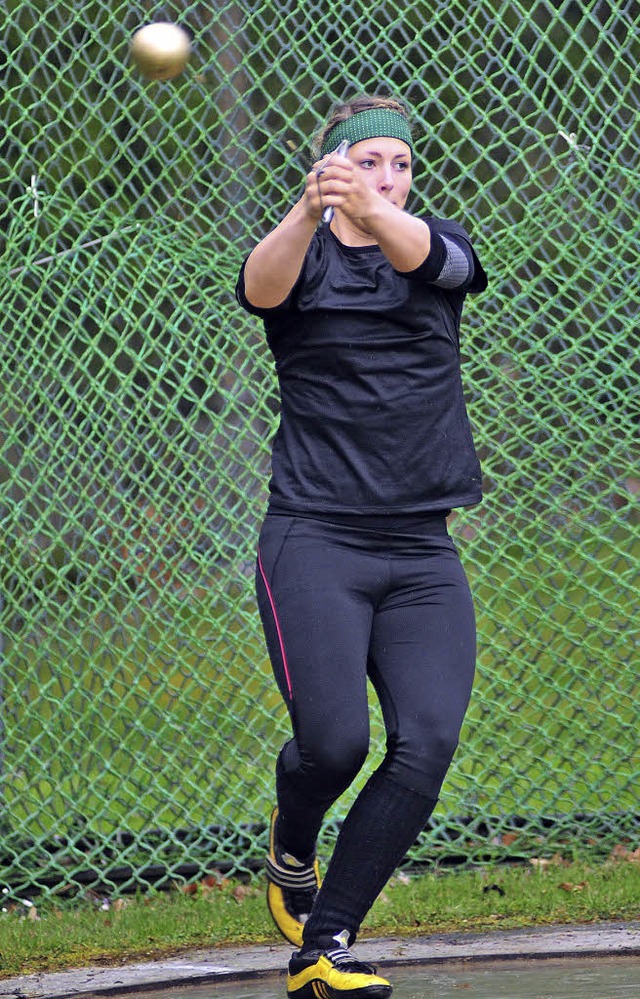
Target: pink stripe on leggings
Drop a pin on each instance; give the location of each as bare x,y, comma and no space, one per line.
277,624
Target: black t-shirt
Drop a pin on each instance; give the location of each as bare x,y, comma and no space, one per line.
372,414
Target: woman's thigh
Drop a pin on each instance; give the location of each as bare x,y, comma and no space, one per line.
422,662
314,597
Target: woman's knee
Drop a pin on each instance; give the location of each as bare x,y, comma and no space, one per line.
334,761
422,763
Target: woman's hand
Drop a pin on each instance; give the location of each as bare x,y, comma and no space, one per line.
369,189
333,182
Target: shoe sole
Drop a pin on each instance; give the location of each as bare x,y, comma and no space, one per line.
290,928
317,989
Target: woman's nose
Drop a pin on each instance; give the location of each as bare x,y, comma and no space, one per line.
386,179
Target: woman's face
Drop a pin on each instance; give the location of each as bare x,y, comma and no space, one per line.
385,166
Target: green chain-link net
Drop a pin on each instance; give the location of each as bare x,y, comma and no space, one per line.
139,722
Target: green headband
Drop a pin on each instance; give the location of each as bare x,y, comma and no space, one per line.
368,125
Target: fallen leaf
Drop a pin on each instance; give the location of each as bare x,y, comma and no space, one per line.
212,883
240,892
622,852
557,860
190,889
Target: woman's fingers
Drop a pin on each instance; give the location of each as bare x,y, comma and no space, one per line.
330,182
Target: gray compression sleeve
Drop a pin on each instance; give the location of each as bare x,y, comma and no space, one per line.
456,267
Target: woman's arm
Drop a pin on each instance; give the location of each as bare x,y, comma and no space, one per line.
274,265
404,239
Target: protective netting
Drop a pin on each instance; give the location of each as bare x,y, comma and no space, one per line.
139,720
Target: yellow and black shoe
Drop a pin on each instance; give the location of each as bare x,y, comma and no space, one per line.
334,974
292,888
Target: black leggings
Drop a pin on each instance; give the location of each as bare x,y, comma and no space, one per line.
340,604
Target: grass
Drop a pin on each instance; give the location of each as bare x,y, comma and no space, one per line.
214,913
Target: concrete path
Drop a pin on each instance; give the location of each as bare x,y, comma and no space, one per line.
237,963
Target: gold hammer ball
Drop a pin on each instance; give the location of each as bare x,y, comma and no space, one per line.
160,50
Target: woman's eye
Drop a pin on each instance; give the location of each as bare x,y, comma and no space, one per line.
400,166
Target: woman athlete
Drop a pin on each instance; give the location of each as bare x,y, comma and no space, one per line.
357,576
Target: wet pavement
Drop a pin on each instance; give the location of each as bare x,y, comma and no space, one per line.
596,977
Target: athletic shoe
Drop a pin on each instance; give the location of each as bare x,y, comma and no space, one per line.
334,974
292,888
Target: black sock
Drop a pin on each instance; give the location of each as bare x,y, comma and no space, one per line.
382,825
